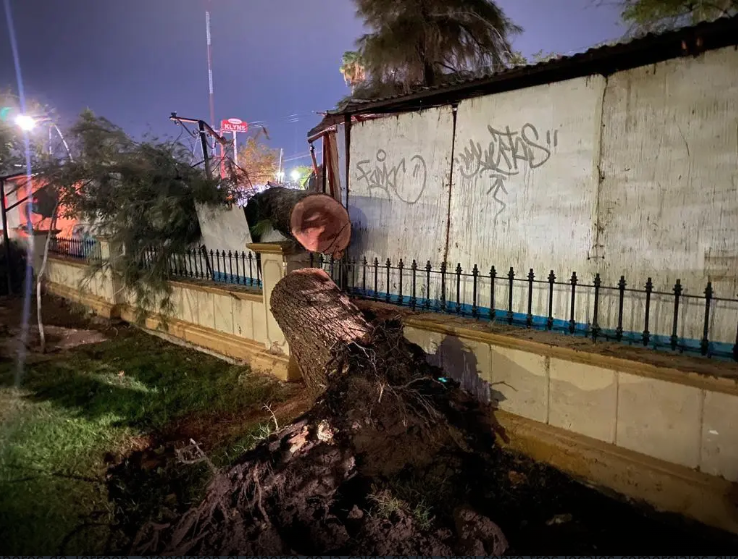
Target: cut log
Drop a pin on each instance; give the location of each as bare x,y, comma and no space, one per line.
316,221
316,318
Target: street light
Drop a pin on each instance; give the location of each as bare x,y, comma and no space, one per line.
25,122
295,175
28,123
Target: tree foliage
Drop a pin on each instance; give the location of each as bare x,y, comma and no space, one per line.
258,161
353,68
416,42
659,15
141,195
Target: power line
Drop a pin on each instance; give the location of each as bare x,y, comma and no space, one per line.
304,156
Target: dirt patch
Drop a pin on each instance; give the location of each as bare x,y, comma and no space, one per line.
158,477
216,429
65,327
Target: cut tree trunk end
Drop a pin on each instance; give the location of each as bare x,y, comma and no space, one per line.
316,318
317,221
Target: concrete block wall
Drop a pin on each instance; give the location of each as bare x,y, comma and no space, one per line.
669,420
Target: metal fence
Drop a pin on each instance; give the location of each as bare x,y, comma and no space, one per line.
221,266
82,249
568,304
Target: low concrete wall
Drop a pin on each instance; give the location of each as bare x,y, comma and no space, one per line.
227,320
648,431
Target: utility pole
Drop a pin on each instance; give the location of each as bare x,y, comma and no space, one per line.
205,151
279,172
205,130
209,41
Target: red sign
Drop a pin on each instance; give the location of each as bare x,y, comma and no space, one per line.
234,125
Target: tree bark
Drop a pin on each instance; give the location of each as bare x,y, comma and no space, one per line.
316,221
316,317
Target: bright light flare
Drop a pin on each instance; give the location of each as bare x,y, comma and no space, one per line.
295,175
25,122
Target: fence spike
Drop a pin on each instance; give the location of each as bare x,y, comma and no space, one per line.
551,282
458,288
400,267
475,278
492,277
414,268
621,289
387,296
511,279
572,322
427,284
376,277
646,333
674,328
529,318
705,343
595,313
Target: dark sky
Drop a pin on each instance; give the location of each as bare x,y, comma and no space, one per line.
136,61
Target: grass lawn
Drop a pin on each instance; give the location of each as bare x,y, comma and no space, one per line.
96,440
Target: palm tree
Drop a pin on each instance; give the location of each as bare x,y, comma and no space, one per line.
352,68
656,15
416,42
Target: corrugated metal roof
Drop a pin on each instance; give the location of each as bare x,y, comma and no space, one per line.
602,59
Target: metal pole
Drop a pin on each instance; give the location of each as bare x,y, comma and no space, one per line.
205,152
64,141
6,238
235,149
279,173
210,62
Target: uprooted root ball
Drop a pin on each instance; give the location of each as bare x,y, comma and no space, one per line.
380,465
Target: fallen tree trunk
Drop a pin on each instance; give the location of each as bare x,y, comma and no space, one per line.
317,221
316,318
381,464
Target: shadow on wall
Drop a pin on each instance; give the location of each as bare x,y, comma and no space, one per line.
460,363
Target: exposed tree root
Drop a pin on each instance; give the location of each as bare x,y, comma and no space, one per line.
379,465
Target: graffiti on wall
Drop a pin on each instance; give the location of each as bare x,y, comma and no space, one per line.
506,154
407,180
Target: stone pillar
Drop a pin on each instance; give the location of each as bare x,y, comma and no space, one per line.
277,260
110,287
39,244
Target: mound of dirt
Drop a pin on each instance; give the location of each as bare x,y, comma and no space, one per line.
380,465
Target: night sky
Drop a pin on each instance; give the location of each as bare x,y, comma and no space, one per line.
274,61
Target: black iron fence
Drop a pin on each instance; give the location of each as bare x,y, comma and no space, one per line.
83,249
221,266
675,319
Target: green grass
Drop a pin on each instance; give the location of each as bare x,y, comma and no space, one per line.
74,408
